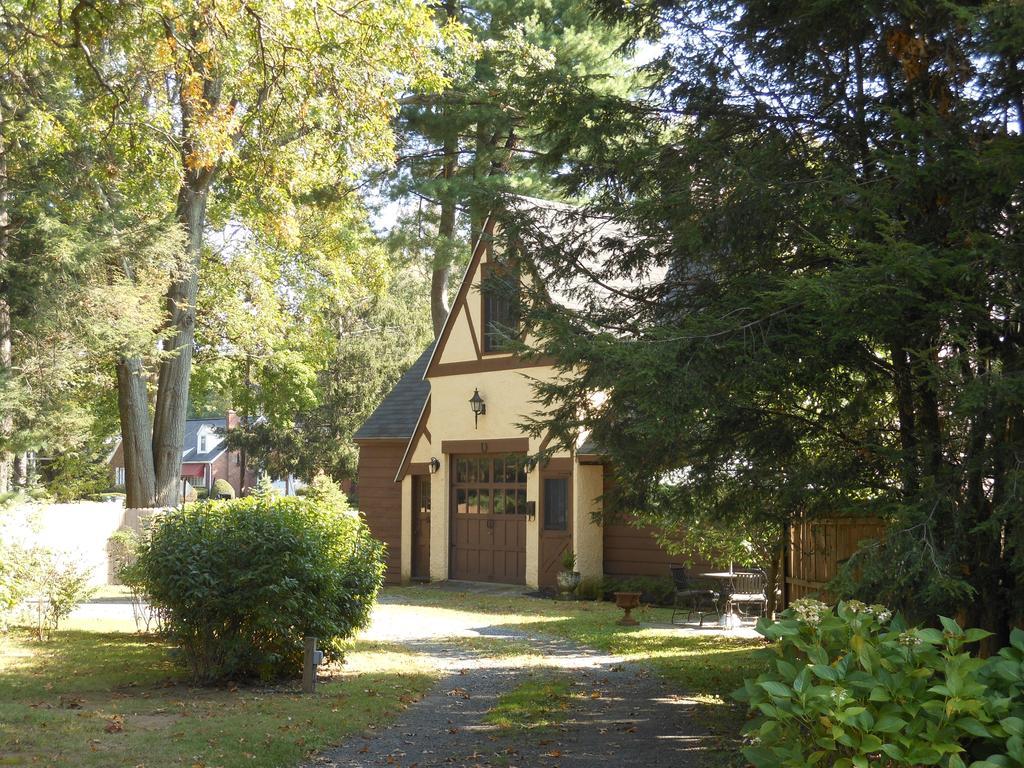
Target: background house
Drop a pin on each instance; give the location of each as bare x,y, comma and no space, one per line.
205,457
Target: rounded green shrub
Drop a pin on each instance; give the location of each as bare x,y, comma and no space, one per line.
221,488
240,583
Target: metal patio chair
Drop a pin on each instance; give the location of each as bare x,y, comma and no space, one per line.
693,597
748,588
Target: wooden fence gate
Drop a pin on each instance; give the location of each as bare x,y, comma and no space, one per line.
817,548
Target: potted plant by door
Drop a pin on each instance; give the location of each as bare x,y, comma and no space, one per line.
568,577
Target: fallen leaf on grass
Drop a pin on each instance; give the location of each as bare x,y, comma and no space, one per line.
71,702
459,692
114,724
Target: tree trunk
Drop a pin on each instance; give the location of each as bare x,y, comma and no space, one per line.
773,578
6,419
176,368
445,238
20,476
133,408
442,267
904,392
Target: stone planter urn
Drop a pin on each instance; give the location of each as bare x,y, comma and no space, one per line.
627,601
567,582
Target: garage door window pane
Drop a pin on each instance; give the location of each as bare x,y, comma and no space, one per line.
460,501
485,471
485,501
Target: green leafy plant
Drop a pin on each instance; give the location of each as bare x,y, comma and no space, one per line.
54,584
590,589
568,560
241,582
855,688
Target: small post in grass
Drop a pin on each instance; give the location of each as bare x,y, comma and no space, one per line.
309,662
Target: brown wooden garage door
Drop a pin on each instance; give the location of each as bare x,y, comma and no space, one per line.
488,539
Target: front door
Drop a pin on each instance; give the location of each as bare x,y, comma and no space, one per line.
421,527
488,518
555,520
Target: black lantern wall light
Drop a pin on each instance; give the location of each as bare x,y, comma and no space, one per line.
478,405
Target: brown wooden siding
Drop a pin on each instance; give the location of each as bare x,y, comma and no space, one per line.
630,550
633,551
380,498
817,548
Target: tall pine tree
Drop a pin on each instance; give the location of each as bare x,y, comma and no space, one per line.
460,149
831,194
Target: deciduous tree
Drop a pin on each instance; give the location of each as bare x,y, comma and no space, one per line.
245,107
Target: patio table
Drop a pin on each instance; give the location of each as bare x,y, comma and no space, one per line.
725,577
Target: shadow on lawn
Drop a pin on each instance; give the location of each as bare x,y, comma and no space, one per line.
99,699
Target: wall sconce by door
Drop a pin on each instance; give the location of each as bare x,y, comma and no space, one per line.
477,404
435,465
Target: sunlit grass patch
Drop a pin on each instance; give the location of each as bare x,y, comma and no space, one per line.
540,702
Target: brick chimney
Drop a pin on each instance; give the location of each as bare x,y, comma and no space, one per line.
232,419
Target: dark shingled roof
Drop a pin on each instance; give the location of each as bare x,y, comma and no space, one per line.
397,415
215,443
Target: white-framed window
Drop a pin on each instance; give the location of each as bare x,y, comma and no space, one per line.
118,475
207,440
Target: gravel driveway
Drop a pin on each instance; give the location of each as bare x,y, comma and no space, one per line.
622,715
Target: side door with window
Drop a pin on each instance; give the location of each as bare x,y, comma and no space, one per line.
555,518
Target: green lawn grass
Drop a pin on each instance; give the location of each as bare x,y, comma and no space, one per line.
538,703
98,694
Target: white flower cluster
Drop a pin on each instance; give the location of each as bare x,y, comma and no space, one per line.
810,611
880,612
840,695
908,638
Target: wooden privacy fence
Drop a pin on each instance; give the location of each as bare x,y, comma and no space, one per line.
817,548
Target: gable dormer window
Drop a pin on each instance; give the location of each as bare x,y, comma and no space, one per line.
500,290
203,445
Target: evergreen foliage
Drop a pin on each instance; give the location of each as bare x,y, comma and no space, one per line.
482,135
810,283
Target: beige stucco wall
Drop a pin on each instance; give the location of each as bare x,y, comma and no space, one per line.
588,536
509,398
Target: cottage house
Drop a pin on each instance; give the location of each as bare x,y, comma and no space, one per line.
444,477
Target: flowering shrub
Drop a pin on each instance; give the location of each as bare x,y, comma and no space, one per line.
857,688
